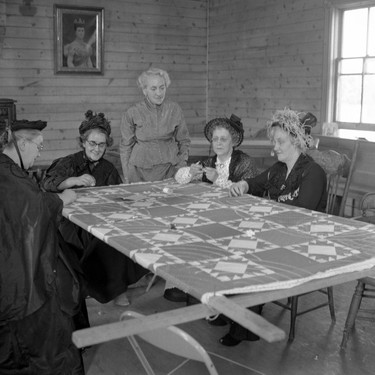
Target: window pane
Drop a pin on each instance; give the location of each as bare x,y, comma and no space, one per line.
370,66
349,98
351,66
368,109
371,35
354,33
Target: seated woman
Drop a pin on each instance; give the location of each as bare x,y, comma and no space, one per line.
107,272
228,165
295,179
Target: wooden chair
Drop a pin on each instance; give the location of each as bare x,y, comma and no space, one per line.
365,287
338,167
170,339
114,157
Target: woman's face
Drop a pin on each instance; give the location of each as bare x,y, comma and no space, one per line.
31,151
222,143
282,144
155,90
80,32
95,145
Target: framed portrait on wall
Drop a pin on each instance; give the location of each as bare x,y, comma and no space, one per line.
78,39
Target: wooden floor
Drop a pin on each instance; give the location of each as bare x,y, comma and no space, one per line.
315,350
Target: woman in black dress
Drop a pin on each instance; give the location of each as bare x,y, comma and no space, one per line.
107,273
294,179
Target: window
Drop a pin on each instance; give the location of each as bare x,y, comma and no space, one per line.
351,80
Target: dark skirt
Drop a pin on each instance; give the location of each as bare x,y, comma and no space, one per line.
104,272
40,344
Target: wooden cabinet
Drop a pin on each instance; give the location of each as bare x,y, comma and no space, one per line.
7,110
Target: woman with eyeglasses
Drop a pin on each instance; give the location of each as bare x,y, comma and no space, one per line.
229,164
226,167
37,290
107,272
87,167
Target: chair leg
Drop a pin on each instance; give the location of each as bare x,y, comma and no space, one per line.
150,283
331,303
352,314
293,317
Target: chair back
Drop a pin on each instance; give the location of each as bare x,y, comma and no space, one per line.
338,168
114,157
367,205
171,339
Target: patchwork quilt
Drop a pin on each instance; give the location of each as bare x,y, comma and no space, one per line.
206,242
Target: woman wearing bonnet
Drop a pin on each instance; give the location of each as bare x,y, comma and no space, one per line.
107,273
229,164
295,179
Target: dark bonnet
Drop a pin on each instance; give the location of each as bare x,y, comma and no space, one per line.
97,121
28,125
234,122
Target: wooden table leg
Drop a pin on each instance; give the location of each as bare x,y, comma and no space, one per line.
352,314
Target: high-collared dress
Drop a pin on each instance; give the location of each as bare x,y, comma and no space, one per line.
154,141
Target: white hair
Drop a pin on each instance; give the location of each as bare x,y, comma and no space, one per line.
143,78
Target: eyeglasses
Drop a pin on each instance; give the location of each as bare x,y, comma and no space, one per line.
93,144
38,146
221,140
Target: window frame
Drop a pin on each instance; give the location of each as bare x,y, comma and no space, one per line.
332,47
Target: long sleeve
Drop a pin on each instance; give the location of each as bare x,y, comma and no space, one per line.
242,166
59,171
257,184
304,187
128,139
74,165
183,140
153,135
312,188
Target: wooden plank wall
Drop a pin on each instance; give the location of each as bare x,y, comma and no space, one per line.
138,34
264,55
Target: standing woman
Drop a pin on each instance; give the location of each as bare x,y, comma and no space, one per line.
295,179
155,139
107,273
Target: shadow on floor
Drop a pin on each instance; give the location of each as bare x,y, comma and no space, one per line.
315,349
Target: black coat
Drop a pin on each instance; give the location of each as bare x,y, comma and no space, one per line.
304,187
38,293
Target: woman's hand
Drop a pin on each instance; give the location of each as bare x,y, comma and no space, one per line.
239,188
196,169
85,180
211,174
68,196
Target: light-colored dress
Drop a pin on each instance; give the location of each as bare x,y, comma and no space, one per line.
155,141
78,54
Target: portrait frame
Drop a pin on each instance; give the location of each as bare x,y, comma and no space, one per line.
78,39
